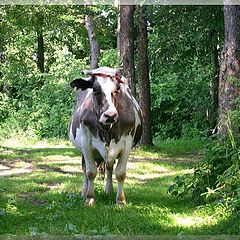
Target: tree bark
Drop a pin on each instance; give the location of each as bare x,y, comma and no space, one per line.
230,66
40,50
118,31
144,77
94,46
215,82
126,36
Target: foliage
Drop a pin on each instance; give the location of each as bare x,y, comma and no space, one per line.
179,53
181,67
217,177
110,58
44,102
40,105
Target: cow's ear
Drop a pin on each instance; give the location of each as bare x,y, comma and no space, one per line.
81,83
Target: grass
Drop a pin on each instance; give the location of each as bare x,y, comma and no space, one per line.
40,187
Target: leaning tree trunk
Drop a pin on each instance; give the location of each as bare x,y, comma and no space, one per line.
126,36
230,66
144,77
94,46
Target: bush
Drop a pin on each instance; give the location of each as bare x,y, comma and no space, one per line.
40,104
217,177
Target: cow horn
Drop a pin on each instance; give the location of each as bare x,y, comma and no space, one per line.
87,72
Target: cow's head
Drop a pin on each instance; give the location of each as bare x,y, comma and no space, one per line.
107,85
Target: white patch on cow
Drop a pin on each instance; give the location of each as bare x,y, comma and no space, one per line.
77,140
137,119
99,146
107,86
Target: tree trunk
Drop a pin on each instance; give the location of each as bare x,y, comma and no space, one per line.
40,51
229,77
118,31
40,42
144,77
127,44
215,82
95,50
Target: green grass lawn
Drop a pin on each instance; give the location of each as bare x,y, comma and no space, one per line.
40,189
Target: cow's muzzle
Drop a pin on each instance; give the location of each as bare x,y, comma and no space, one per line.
109,117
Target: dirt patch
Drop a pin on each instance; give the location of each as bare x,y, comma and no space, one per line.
15,168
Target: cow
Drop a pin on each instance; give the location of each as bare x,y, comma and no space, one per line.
105,126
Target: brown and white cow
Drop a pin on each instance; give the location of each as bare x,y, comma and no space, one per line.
106,125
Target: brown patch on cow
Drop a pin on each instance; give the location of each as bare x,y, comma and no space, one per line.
126,117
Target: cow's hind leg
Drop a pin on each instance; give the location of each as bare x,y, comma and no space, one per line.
109,184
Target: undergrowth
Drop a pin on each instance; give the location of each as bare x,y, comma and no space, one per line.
216,179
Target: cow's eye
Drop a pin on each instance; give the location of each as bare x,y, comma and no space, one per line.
96,91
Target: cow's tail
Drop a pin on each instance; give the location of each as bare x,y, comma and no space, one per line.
101,170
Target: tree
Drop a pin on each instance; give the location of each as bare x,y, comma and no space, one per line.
229,90
144,77
126,43
40,41
94,46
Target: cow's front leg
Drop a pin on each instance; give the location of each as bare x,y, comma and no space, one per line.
109,184
91,174
120,174
85,179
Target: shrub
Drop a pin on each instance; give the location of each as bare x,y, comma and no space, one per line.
217,177
40,104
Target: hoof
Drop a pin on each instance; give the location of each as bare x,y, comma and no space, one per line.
121,203
90,202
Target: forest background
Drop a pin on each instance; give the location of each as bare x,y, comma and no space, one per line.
43,48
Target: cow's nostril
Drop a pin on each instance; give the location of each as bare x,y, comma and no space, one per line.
110,116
